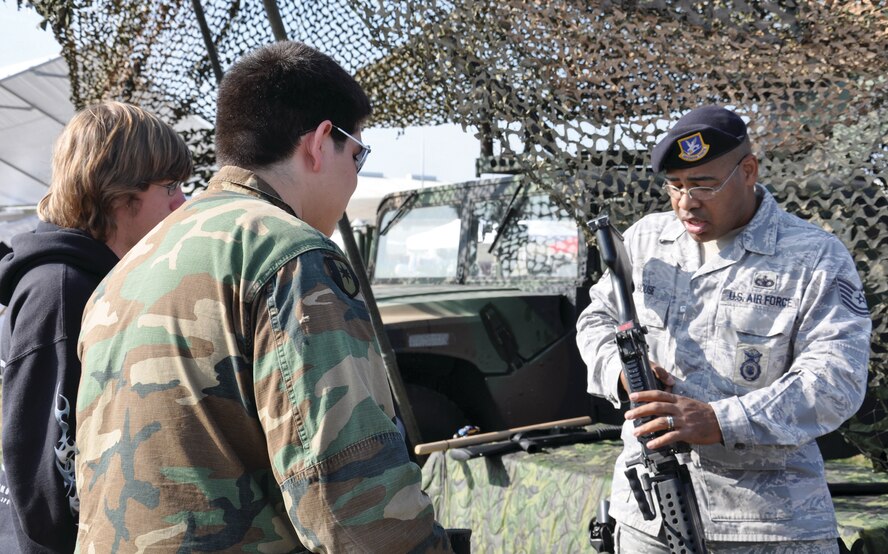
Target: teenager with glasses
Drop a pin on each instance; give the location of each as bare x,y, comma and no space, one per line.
235,395
759,330
100,202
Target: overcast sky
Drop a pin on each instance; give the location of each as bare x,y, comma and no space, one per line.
444,152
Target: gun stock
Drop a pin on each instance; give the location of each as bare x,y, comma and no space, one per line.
669,479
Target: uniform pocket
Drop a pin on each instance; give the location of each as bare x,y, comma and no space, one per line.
751,486
654,290
756,344
652,312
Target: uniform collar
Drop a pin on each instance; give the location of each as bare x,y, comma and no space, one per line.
760,234
244,181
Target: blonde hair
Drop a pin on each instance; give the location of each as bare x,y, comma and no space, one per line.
105,154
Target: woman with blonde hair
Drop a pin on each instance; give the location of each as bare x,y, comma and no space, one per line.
116,172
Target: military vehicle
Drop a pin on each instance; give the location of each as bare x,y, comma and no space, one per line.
479,286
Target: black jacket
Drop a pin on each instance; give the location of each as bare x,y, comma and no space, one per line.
44,282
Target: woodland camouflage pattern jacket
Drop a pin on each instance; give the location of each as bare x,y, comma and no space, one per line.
233,395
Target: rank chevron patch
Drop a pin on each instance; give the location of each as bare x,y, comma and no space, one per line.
852,297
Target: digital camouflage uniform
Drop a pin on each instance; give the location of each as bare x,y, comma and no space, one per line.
233,396
774,334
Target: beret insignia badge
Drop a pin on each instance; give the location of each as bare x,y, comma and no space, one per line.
693,148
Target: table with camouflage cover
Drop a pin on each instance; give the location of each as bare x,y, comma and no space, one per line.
543,502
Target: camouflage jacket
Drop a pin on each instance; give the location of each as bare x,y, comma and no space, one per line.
774,334
233,396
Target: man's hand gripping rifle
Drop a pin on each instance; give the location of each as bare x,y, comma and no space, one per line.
670,479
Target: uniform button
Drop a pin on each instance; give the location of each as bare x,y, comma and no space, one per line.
682,309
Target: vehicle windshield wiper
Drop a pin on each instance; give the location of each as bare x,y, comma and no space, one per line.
511,210
408,202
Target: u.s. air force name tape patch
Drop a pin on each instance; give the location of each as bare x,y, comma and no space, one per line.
852,297
341,274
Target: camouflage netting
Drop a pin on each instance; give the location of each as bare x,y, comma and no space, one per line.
572,93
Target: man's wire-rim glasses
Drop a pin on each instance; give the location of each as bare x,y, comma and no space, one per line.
362,154
700,193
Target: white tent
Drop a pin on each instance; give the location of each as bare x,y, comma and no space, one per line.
34,106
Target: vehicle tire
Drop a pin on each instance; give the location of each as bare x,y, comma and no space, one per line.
438,418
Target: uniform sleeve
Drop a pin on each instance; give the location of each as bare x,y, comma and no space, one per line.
826,381
325,406
595,340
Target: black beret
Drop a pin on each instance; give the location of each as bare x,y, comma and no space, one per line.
700,136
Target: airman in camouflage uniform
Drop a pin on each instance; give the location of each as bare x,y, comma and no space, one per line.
233,396
757,321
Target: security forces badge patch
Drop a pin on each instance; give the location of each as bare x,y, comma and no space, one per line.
749,365
341,274
750,368
693,147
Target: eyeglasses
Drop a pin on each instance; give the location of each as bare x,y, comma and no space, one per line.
172,188
700,193
362,154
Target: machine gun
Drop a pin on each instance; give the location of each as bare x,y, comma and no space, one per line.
535,441
666,475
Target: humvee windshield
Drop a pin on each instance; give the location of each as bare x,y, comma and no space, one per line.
424,242
512,235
